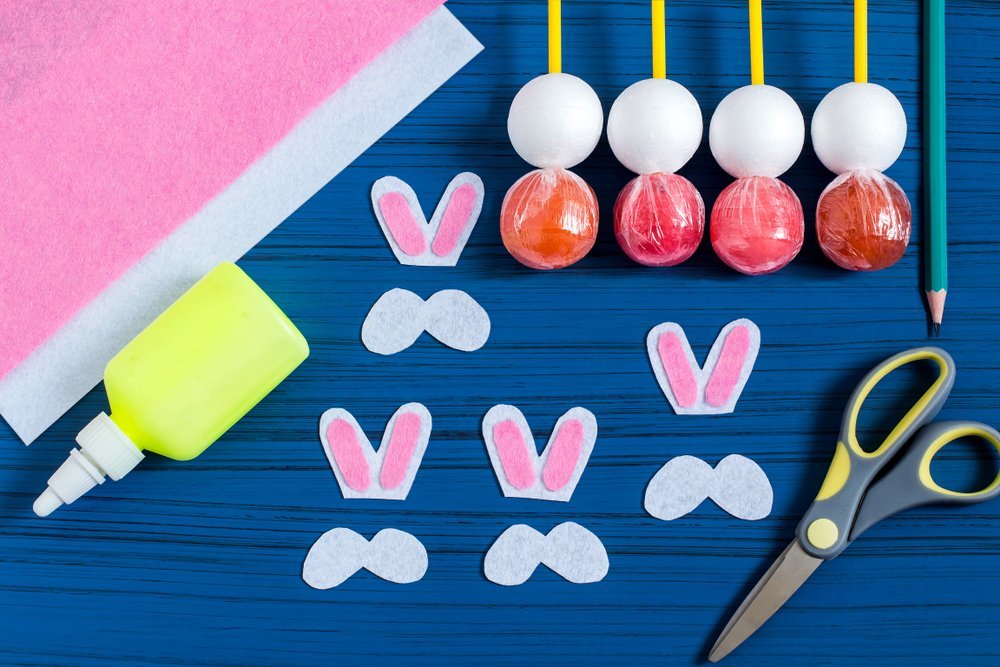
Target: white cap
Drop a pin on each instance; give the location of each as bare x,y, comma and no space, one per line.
104,450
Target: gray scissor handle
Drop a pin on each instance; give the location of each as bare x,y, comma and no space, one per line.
910,483
825,529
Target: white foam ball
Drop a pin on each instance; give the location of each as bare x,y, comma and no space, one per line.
859,126
757,130
555,121
655,126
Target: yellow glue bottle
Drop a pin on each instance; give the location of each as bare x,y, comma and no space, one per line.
183,382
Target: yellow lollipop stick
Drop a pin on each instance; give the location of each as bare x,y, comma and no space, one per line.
861,41
756,43
555,36
659,40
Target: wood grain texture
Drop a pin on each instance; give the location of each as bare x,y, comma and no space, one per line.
199,563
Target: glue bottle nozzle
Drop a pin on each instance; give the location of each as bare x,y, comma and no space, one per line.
47,503
105,451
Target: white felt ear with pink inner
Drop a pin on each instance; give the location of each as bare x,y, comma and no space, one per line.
414,240
524,473
361,471
710,389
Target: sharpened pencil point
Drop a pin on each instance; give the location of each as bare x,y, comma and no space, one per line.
937,329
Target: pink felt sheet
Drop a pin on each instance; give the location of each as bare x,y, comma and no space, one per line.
122,121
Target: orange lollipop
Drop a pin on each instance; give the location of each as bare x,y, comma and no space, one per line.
549,217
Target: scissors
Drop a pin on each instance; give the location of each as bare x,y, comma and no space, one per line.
851,499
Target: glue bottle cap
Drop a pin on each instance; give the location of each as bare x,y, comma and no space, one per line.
104,450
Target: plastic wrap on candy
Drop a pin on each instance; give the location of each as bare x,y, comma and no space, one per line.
757,225
863,221
659,219
549,219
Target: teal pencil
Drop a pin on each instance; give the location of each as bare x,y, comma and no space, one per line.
935,162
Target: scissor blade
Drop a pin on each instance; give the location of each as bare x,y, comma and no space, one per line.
781,580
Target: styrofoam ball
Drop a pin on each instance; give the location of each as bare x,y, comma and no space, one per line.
555,121
757,130
859,126
655,126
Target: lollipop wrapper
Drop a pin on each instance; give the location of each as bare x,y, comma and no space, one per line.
863,221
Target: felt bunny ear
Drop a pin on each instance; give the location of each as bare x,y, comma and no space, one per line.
414,240
361,471
521,471
710,389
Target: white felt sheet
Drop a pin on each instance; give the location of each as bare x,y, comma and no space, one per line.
60,372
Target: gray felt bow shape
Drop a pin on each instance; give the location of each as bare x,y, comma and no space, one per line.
399,317
570,550
392,555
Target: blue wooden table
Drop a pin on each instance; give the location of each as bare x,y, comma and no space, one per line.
199,563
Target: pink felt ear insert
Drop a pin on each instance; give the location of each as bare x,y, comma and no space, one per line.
728,368
405,433
564,452
456,216
514,455
677,367
402,225
343,442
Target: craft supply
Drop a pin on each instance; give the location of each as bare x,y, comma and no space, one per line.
865,485
863,218
152,136
398,318
71,361
183,382
549,217
392,555
414,240
715,387
386,474
737,485
756,134
569,550
654,129
524,473
935,161
863,221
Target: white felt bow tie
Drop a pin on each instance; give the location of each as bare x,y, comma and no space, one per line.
399,317
570,550
737,485
392,555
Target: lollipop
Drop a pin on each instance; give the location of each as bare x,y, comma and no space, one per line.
549,217
654,128
863,218
756,134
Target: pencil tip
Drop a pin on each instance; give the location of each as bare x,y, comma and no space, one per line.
937,329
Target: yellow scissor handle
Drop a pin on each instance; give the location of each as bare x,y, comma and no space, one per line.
920,413
910,484
951,433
